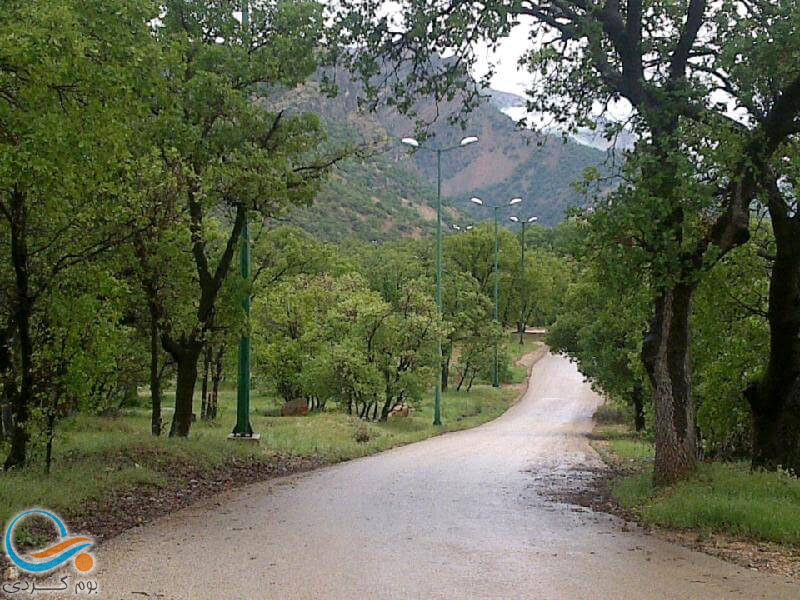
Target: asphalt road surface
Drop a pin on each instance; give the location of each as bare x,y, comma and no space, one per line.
463,515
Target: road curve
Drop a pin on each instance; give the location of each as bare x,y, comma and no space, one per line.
463,515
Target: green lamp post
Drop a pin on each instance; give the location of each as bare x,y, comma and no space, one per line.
243,430
522,274
513,201
437,404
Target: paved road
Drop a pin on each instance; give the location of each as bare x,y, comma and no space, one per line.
458,516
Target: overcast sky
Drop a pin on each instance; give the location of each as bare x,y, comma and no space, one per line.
508,78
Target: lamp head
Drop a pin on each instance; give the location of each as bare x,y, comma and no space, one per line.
533,219
476,201
469,140
515,201
514,219
410,142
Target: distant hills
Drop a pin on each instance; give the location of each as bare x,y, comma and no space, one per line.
391,193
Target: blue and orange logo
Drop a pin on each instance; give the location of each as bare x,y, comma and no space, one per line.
62,551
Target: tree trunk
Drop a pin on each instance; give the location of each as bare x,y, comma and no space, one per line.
205,411
472,379
775,399
7,424
665,354
22,315
155,373
184,389
637,395
215,381
385,410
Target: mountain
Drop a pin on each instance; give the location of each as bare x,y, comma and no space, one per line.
392,191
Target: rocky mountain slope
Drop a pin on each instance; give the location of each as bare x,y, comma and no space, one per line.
391,192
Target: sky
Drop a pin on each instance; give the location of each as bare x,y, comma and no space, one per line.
508,77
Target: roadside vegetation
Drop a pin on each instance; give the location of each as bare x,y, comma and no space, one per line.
719,498
141,142
692,236
101,459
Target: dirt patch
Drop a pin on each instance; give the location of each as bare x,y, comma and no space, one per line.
134,508
591,488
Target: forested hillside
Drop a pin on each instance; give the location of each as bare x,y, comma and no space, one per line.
386,193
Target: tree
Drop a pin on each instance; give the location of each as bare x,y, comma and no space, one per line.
730,343
402,343
69,79
343,368
468,313
757,38
229,152
288,335
476,356
599,326
586,55
774,398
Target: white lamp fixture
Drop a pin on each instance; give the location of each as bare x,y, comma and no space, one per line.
514,219
533,219
410,142
468,140
476,201
515,201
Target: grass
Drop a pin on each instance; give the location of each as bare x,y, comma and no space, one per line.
96,458
623,444
721,497
530,343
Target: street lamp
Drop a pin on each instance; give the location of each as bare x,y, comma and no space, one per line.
512,202
243,430
522,274
437,404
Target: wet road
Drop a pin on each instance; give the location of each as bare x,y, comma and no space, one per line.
457,516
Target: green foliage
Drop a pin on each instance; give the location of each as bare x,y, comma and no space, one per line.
138,139
72,80
731,344
600,324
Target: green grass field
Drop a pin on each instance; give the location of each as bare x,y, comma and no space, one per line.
721,497
98,457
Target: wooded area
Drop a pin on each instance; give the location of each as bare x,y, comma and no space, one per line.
137,138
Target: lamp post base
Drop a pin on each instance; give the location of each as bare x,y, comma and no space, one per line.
237,437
